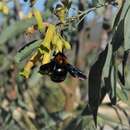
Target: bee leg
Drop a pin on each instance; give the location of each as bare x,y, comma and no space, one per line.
45,69
75,72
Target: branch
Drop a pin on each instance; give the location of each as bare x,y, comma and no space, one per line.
83,13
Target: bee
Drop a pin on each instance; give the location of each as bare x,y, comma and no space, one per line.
58,68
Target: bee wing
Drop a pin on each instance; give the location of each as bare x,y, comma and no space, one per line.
75,72
45,69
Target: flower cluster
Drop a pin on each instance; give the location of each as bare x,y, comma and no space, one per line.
52,42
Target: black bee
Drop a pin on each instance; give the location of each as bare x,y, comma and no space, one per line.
58,68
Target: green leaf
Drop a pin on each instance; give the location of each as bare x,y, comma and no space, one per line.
95,85
108,62
113,85
25,51
122,68
126,6
118,36
127,84
15,29
127,31
110,81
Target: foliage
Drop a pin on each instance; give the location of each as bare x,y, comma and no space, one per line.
29,100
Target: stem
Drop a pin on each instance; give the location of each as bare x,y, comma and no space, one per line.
85,12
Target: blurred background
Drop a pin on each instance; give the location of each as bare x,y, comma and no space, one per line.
38,103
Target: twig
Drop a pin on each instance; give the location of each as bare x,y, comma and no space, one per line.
85,12
73,18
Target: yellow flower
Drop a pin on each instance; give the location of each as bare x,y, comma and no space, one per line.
27,68
39,20
46,58
49,36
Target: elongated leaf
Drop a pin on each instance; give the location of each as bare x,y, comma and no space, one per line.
113,80
127,30
110,82
15,29
96,92
125,8
106,67
119,15
118,38
121,74
115,43
95,78
123,18
25,51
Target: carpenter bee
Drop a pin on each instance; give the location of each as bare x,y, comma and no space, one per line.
58,68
